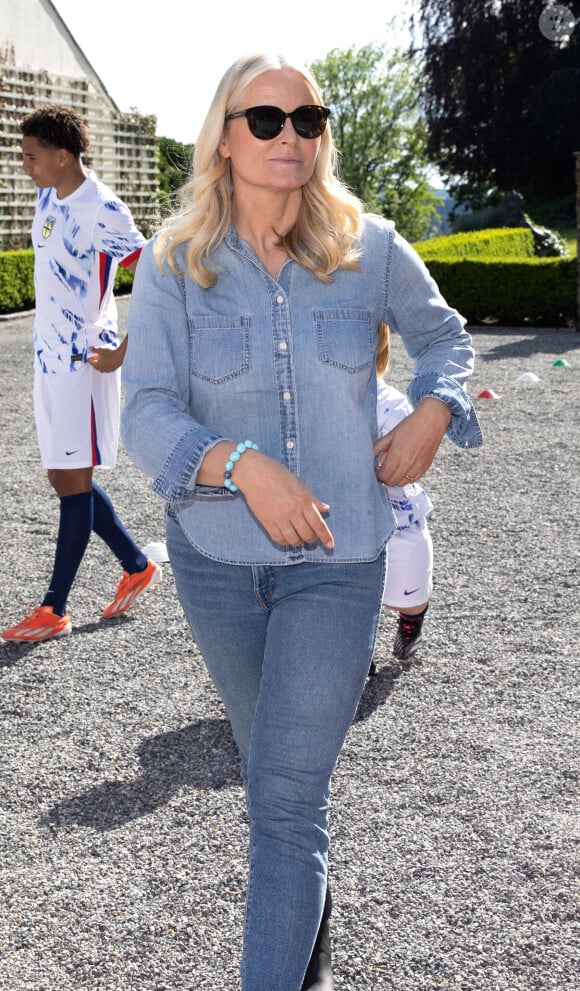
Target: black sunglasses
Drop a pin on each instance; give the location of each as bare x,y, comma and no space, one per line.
267,122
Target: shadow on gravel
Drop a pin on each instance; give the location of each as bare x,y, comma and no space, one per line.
527,346
11,653
200,756
378,688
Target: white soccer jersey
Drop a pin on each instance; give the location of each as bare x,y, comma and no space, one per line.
410,503
78,242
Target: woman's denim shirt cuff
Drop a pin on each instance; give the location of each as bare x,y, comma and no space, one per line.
464,429
176,480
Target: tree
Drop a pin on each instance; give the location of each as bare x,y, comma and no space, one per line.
174,165
502,100
380,133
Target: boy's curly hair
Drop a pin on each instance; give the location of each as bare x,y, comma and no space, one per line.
57,126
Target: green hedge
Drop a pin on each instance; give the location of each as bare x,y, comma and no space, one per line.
508,289
497,243
535,291
123,280
17,280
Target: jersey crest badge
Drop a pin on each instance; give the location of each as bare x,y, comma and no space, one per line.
48,226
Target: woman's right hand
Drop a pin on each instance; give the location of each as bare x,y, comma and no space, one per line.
289,512
284,505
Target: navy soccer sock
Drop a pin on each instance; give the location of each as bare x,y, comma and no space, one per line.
76,523
109,528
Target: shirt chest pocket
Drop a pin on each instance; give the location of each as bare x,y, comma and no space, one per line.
345,338
219,347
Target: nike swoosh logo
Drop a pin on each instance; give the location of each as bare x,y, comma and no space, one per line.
72,452
411,591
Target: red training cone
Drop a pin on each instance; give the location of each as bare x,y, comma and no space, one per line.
487,394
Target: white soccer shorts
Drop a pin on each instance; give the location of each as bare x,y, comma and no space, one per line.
409,567
77,417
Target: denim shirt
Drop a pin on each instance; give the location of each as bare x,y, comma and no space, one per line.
288,363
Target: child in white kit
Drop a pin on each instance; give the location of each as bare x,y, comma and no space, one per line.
408,584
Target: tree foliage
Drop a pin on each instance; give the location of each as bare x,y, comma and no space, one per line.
174,165
380,134
502,100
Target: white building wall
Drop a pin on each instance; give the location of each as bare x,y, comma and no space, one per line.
34,36
40,62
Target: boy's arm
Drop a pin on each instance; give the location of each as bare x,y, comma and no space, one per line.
109,359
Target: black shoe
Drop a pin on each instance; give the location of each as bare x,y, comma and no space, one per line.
318,975
408,635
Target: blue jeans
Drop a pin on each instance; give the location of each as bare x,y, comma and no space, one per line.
288,649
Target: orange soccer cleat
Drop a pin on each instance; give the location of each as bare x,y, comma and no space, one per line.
41,624
130,587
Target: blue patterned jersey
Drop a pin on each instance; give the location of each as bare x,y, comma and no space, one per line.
78,242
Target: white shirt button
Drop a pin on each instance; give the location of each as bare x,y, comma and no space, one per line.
279,299
289,444
283,346
287,395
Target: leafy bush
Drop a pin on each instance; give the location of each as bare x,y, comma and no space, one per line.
498,243
123,280
488,275
536,291
497,276
16,280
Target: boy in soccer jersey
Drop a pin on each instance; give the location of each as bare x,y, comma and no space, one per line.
80,233
408,584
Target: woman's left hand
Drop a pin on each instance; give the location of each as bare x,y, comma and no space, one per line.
407,451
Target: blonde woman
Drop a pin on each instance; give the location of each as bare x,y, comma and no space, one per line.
251,401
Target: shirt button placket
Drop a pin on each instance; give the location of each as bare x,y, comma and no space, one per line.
285,384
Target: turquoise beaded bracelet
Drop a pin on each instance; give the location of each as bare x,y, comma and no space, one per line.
242,447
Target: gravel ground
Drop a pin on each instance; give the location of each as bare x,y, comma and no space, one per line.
453,851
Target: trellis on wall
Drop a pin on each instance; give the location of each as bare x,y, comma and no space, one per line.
123,147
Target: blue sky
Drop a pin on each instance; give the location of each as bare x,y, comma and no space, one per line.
171,66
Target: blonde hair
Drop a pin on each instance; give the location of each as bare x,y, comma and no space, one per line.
326,234
383,352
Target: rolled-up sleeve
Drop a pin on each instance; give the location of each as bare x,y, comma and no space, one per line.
435,338
464,429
